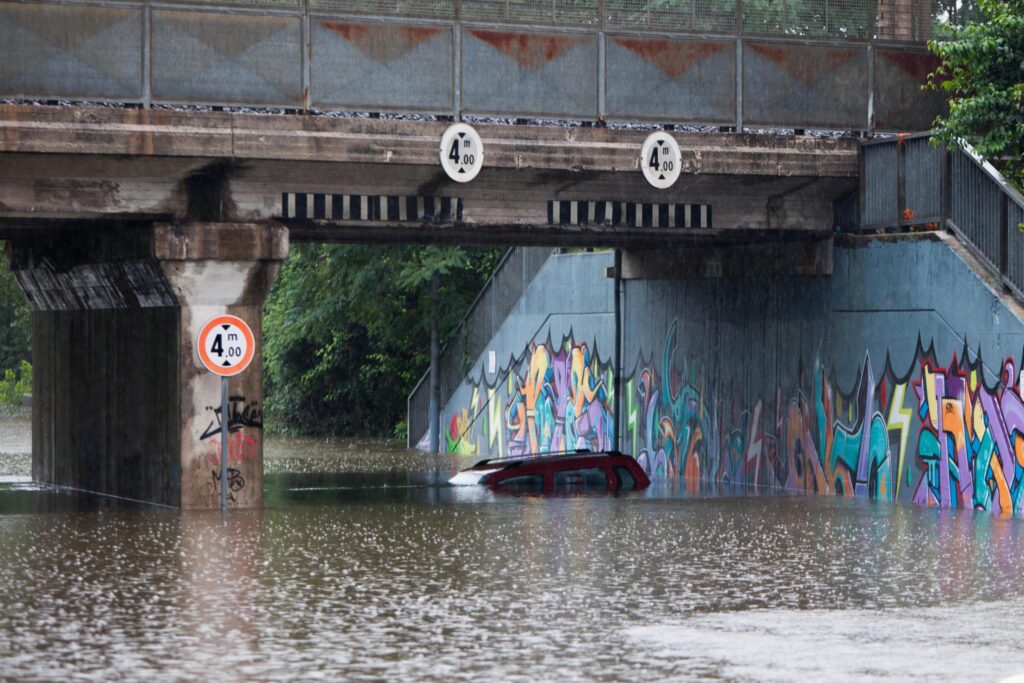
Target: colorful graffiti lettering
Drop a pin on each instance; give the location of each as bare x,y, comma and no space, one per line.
936,435
555,398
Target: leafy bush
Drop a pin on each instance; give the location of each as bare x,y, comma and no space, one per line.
16,383
347,331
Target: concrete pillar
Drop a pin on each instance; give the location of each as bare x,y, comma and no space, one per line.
121,403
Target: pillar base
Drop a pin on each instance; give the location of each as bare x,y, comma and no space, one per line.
122,405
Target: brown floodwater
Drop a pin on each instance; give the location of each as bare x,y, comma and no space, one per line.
365,566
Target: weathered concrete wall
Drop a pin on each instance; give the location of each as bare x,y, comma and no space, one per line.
105,392
898,376
550,389
122,405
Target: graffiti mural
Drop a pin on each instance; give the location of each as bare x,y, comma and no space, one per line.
931,433
552,398
935,435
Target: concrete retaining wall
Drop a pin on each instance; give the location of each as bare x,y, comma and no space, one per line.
897,377
552,367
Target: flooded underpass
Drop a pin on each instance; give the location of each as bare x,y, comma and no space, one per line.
365,566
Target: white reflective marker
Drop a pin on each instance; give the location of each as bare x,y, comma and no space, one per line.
661,160
462,152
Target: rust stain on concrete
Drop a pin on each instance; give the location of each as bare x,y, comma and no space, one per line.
808,64
671,57
531,50
383,43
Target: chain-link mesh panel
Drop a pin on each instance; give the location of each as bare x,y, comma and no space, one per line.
697,16
839,18
284,4
552,12
907,20
440,9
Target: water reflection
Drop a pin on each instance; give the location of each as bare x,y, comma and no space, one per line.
362,567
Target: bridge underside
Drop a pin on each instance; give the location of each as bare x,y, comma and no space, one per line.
129,228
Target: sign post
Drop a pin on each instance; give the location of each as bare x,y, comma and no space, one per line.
226,346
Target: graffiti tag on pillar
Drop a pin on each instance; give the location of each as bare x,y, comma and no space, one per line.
241,413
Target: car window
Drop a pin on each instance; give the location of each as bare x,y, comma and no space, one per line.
586,478
524,482
626,480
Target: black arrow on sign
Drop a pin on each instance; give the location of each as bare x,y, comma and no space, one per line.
661,177
226,364
225,326
462,170
462,135
660,143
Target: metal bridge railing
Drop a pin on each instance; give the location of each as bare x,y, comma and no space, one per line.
838,64
488,311
907,181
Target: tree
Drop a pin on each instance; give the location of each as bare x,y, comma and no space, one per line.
983,71
347,331
15,323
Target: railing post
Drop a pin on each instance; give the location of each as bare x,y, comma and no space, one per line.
861,185
739,66
901,182
434,410
1004,236
147,55
946,189
307,58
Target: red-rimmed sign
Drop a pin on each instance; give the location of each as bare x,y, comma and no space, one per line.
226,345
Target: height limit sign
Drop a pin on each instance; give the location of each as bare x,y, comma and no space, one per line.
462,152
226,345
661,160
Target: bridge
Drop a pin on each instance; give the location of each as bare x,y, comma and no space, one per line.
156,159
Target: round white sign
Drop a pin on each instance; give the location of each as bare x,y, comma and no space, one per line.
660,160
462,152
226,345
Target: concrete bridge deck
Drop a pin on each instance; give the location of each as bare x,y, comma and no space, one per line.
75,163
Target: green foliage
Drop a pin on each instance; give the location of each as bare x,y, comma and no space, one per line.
347,331
16,383
983,71
15,322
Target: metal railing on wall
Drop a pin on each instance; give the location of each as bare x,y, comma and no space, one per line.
839,64
907,181
493,304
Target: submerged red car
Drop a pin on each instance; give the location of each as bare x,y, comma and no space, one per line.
609,471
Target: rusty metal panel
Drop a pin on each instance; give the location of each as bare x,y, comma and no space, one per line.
899,102
382,66
436,9
805,86
78,52
670,80
227,58
694,16
555,12
529,73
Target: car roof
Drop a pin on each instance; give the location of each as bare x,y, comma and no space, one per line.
546,458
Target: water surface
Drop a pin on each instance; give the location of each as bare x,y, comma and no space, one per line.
364,567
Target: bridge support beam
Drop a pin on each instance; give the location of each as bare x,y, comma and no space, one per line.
121,403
